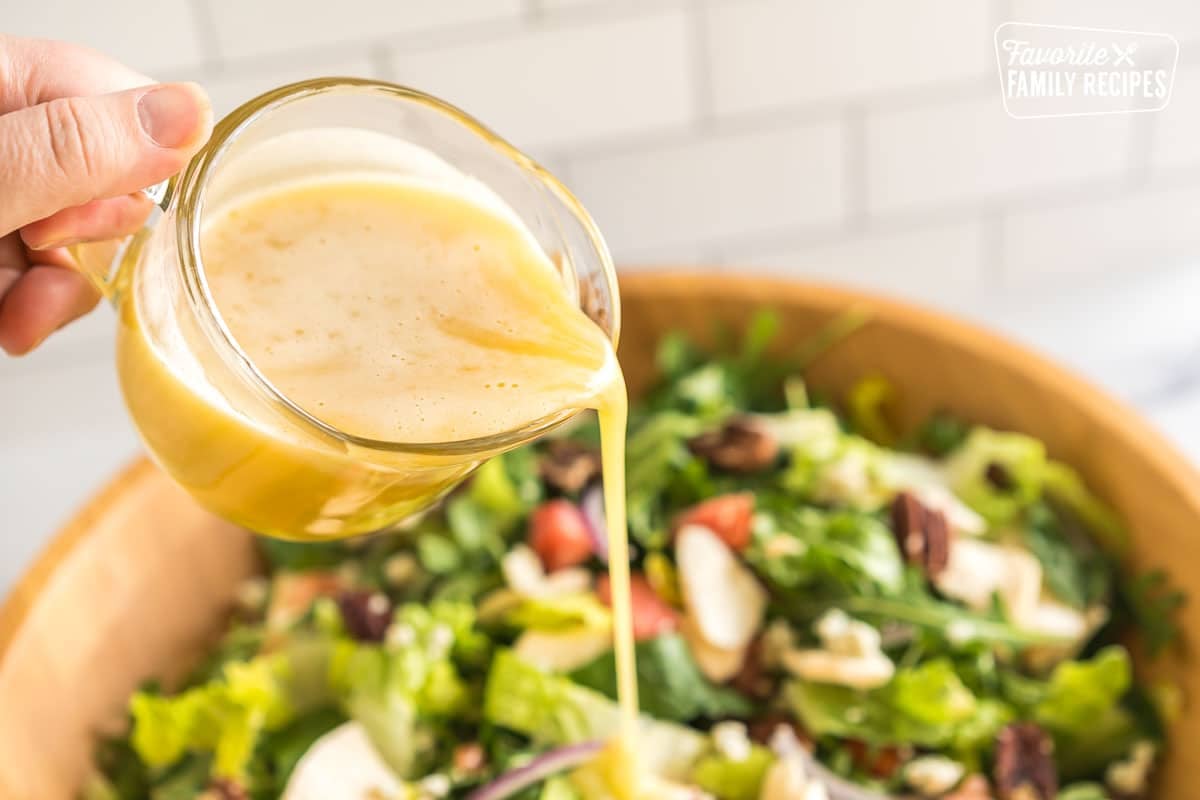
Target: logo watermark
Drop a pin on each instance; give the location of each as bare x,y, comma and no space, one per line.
1061,71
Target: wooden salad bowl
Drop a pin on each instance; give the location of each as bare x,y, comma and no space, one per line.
141,580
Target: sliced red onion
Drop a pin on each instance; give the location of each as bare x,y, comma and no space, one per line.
786,745
592,506
537,770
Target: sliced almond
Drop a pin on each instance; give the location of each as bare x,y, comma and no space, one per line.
788,779
720,593
821,666
976,570
717,664
525,575
342,765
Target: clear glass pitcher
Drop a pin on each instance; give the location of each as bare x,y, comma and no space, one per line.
207,415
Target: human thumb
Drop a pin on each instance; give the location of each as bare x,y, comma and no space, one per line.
70,151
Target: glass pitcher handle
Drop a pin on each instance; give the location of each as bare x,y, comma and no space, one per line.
100,262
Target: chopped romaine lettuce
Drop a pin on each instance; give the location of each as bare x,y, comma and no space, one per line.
554,710
564,612
730,779
925,705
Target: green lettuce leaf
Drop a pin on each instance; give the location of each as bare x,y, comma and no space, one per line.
225,716
553,710
670,685
561,613
927,705
727,779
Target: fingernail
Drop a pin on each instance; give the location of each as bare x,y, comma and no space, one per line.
170,114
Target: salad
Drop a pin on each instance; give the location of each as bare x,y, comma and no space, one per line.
824,609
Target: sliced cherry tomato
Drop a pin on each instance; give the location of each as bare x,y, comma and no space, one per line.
559,534
727,515
651,615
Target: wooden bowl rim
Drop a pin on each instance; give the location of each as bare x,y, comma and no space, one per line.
1164,459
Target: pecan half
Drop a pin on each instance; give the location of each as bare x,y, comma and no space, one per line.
754,679
1024,767
921,533
762,729
365,614
569,466
880,762
743,444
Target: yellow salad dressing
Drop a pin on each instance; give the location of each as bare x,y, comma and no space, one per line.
388,309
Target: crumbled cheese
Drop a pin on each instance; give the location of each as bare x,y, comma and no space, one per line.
788,779
377,604
400,569
782,545
845,636
960,632
850,655
436,785
1130,776
252,594
525,575
399,634
731,740
933,776
441,639
523,571
784,742
777,638
847,480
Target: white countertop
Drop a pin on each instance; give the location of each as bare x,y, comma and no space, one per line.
65,431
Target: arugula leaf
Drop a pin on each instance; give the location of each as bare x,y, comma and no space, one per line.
670,685
299,556
942,433
1152,603
851,550
1073,571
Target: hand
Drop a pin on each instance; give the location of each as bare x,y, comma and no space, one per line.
77,142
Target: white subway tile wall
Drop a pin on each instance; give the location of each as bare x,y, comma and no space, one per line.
862,141
722,127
